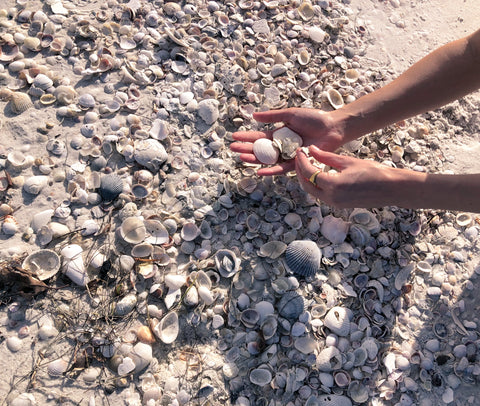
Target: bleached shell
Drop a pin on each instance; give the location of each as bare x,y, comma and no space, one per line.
463,219
293,220
141,356
206,295
272,249
9,225
47,331
329,359
19,160
365,218
335,98
303,257
316,34
133,230
65,94
156,232
191,296
111,186
351,75
32,43
8,51
291,305
358,392
42,263
260,376
265,151
35,184
142,250
175,282
208,110
333,400
334,229
86,101
359,234
14,344
303,57
269,326
42,81
159,130
190,231
20,102
167,329
150,154
306,345
24,399
57,367
338,320
125,305
227,263
73,264
47,99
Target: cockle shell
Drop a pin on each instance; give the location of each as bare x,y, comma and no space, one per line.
338,320
227,263
291,305
303,257
57,367
335,98
265,151
167,329
86,101
42,81
9,225
287,141
111,186
133,230
20,102
329,359
42,263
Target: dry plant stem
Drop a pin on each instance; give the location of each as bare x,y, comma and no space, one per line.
446,74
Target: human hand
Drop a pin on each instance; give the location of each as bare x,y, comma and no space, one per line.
314,126
357,182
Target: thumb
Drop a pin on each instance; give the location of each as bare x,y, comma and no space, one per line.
272,116
329,158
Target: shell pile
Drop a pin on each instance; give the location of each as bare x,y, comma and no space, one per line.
179,276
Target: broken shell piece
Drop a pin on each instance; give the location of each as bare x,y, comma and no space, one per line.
287,141
303,257
74,266
334,229
333,400
43,263
335,99
329,359
265,151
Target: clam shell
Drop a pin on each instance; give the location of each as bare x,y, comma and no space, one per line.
150,154
272,249
329,359
167,329
227,263
133,230
73,265
338,320
250,317
351,75
357,392
141,356
303,257
8,51
265,151
111,186
125,305
20,102
291,305
335,98
156,232
260,376
142,250
269,326
42,81
333,400
57,367
35,184
43,263
190,231
86,101
14,344
47,99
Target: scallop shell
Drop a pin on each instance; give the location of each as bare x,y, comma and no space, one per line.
287,141
57,367
35,184
333,400
167,329
265,151
20,102
338,320
303,257
150,154
335,99
42,81
227,263
43,263
111,186
291,305
133,230
260,376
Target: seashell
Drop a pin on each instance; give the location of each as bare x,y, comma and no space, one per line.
365,218
359,234
361,355
306,345
249,317
150,154
8,51
342,378
159,129
57,45
127,43
9,225
351,75
265,151
303,57
20,102
142,250
190,231
17,160
156,232
167,329
133,230
111,186
329,359
227,263
140,191
32,43
56,147
86,101
291,305
208,110
43,264
35,184
206,295
335,99
306,11
47,331
47,99
35,91
145,335
141,356
24,399
174,281
334,229
463,219
287,141
272,249
260,376
338,320
333,400
42,81
73,265
88,130
14,344
57,367
125,305
424,266
65,94
269,326
358,392
303,257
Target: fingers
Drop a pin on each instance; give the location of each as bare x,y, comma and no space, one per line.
304,183
251,136
306,170
241,147
329,158
273,116
279,169
250,159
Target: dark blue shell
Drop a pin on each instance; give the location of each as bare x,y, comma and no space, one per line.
111,186
303,257
291,305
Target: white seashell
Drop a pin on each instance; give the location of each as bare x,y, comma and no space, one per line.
42,81
98,259
334,229
303,257
14,344
167,329
329,359
316,34
208,110
47,331
206,295
335,98
159,130
125,305
351,75
24,399
191,296
141,356
142,250
303,57
338,320
43,263
86,101
150,154
35,184
73,265
269,326
265,151
175,281
57,367
18,160
227,263
133,230
58,229
126,366
333,400
90,227
20,102
9,225
156,232
306,345
463,219
260,376
190,231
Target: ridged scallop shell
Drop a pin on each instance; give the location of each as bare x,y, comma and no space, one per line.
303,257
42,81
43,263
338,320
227,263
20,102
133,230
265,151
291,305
57,367
111,186
335,98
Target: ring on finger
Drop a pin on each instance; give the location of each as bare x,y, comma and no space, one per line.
313,178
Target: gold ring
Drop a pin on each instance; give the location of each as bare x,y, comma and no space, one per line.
313,178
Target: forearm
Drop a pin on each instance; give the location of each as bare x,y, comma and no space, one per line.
433,191
444,75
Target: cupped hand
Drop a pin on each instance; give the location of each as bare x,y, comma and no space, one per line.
356,182
314,126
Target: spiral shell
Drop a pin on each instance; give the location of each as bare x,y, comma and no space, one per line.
303,257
